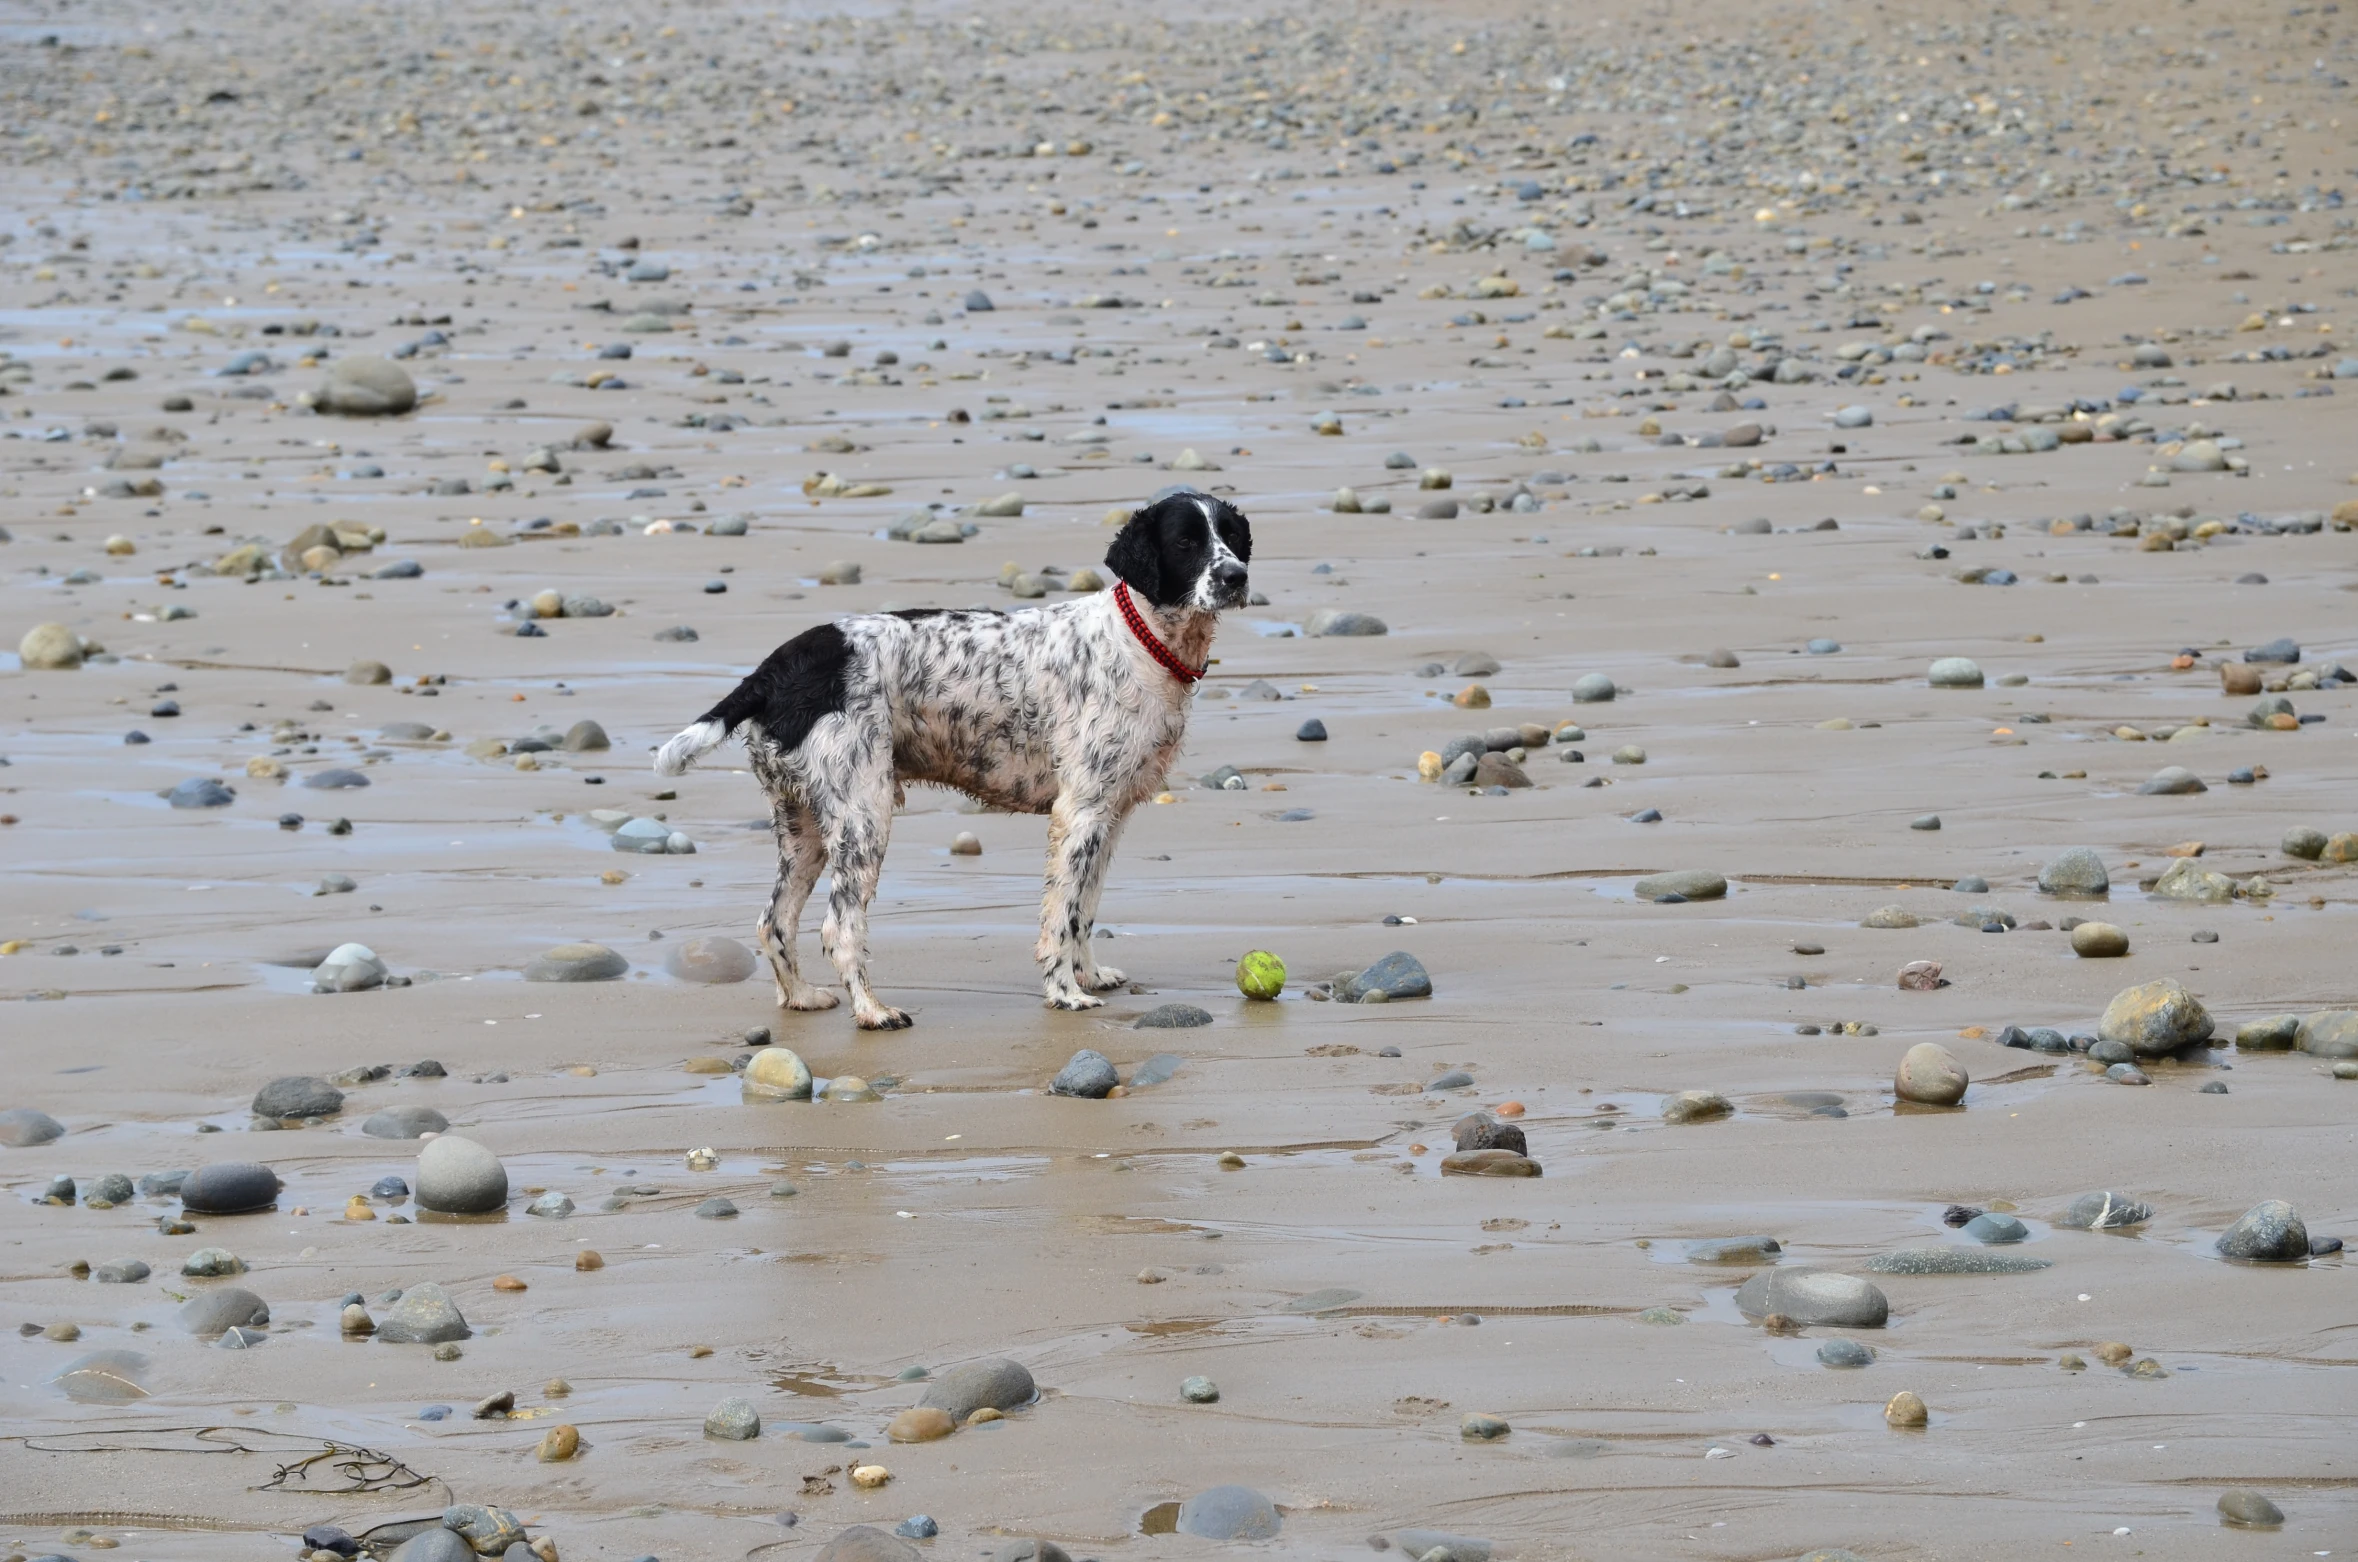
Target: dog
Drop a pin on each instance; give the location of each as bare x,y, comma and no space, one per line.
1075,711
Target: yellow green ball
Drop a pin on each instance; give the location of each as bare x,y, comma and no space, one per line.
1260,975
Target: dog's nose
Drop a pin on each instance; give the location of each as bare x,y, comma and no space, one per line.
1228,575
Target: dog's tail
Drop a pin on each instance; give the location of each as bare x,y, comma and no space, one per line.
795,686
692,743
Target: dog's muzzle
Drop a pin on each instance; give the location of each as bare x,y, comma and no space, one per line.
1226,584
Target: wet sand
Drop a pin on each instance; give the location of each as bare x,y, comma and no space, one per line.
381,173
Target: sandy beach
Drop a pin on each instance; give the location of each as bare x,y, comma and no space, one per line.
1923,440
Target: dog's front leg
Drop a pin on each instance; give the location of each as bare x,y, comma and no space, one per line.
1080,836
1094,977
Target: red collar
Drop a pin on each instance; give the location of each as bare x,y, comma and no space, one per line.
1146,637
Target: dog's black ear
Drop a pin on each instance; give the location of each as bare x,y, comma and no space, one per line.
1237,533
1137,555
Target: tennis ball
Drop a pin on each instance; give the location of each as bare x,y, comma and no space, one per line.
1260,975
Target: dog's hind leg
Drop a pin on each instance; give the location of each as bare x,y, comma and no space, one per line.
802,856
855,822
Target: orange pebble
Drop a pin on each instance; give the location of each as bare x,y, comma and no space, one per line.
1416,1149
1510,1109
2181,663
507,1283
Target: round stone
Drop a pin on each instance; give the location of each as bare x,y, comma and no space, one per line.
709,961
1229,1513
1930,1075
349,968
367,386
1593,689
1906,1409
50,648
2172,781
996,1384
460,1177
2077,873
1687,883
920,1424
865,1543
404,1122
1090,1074
1955,672
1200,1391
23,1127
425,1315
577,963
298,1095
435,1545
733,1420
1814,1298
777,1074
2246,1508
218,1312
1996,1228
1845,1353
1173,1016
229,1188
2098,941
2304,843
2155,1019
2270,1232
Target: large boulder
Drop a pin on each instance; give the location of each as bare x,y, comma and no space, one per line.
2329,1033
460,1177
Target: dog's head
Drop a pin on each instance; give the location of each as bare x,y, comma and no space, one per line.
1187,550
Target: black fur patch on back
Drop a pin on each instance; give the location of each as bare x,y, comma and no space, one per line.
795,685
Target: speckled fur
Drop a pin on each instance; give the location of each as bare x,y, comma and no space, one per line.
1056,710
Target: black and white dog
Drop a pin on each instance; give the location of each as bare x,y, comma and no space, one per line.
1075,711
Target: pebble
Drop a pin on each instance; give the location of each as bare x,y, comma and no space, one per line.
576,963
2099,941
120,1271
208,1263
1955,672
349,968
1930,1075
2077,873
1420,1544
998,1384
1695,1106
1397,975
733,1420
1845,1353
709,961
2270,1232
424,1315
404,1122
1229,1513
23,1127
777,1074
1814,1298
2329,1033
298,1095
920,1424
2172,781
229,1188
1593,689
460,1177
1906,1409
1090,1074
1993,1227
1687,883
966,844
1200,1391
1482,1429
1735,1250
50,648
434,1545
864,1543
2247,1509
366,386
1329,621
215,1312
200,792
559,1443
1172,1016
2155,1019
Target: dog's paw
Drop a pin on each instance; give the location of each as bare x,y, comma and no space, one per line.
1103,980
880,1016
809,999
1072,998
